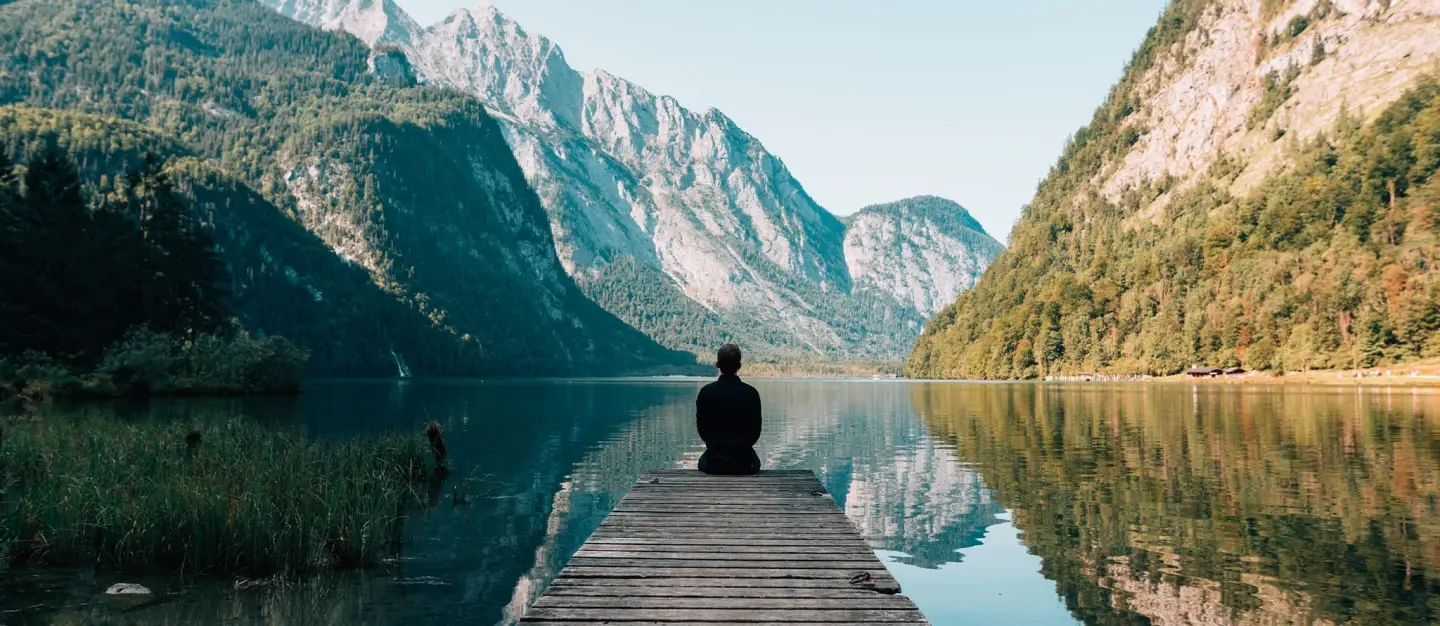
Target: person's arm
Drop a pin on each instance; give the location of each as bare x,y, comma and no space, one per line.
703,423
753,421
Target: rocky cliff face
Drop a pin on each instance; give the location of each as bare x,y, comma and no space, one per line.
677,196
374,21
1249,70
921,251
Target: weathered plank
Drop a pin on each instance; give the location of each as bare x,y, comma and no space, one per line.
636,591
683,547
723,557
722,552
844,616
743,567
718,520
711,583
627,622
727,542
869,601
653,571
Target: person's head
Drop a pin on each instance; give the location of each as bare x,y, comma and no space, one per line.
728,360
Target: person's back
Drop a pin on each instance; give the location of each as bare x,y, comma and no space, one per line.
727,414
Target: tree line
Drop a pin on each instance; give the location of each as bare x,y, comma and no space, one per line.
79,273
120,280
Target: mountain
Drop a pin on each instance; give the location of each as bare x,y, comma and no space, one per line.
922,251
1259,189
677,221
372,21
372,222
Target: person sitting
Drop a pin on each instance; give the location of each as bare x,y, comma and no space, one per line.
727,414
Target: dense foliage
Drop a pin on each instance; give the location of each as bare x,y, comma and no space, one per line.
1329,263
81,269
76,279
358,217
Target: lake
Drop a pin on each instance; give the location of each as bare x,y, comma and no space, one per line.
1021,503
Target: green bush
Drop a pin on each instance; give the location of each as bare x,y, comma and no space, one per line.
143,360
244,364
37,376
1297,26
155,363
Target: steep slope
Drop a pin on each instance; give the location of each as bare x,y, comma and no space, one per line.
724,241
922,251
413,188
1258,190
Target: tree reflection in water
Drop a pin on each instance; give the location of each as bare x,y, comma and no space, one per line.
1213,504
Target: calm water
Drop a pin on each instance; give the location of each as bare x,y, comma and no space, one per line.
991,503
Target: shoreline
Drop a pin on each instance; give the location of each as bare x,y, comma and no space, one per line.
1324,378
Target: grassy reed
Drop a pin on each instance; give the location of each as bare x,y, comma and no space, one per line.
233,496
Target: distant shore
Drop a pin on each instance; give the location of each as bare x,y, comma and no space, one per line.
1418,374
1328,377
824,369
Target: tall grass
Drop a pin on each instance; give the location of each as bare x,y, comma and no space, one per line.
233,496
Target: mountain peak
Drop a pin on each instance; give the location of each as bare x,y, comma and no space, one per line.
488,12
933,208
923,251
373,21
481,14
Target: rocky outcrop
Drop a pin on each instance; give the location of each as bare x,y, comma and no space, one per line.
921,251
374,21
392,66
1253,72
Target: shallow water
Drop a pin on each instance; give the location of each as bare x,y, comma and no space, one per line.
991,503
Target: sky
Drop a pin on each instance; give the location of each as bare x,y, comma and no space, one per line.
867,101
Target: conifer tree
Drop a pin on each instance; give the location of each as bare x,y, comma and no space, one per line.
181,288
52,229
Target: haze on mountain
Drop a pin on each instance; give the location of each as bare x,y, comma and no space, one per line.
679,222
1259,189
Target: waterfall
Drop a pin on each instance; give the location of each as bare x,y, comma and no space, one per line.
400,366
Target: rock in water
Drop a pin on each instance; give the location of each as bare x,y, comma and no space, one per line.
127,589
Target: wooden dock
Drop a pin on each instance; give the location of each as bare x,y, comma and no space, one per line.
684,547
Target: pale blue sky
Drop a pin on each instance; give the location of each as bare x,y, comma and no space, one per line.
867,101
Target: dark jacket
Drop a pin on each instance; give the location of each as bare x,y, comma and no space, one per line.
727,413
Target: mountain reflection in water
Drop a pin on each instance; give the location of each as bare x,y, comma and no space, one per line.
1030,503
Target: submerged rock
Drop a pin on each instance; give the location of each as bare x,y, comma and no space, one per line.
127,589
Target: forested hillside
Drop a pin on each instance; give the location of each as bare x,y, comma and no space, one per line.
367,219
1282,228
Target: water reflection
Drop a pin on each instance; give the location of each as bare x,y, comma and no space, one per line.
1028,504
1214,504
